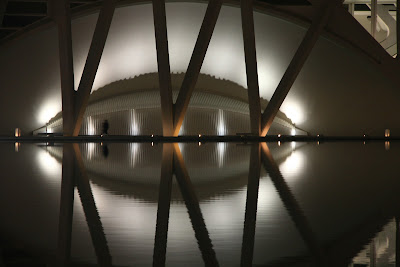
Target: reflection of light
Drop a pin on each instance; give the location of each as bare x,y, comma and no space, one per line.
221,149
47,163
293,144
293,164
91,150
133,151
48,111
17,145
387,145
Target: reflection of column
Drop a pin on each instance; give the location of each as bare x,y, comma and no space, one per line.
164,199
192,204
372,254
91,213
66,207
251,207
397,243
290,203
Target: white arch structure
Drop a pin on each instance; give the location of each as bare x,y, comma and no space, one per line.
336,92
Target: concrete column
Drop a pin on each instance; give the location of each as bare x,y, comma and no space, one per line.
164,73
61,14
92,61
321,18
196,61
374,16
251,65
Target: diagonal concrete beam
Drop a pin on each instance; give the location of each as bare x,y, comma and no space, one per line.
164,200
291,204
92,61
192,204
3,7
92,216
62,16
250,217
398,28
196,61
322,15
164,72
251,65
63,253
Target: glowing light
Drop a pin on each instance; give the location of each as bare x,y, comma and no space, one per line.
279,143
294,112
293,145
293,131
199,135
16,146
221,149
48,111
91,126
48,164
293,164
387,133
17,132
199,143
221,128
387,145
279,135
134,129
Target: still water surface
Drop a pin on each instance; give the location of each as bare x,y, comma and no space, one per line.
293,204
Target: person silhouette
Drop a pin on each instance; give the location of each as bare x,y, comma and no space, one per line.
105,127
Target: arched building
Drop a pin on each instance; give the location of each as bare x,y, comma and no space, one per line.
347,86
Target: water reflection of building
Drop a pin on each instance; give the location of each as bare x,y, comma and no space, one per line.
134,168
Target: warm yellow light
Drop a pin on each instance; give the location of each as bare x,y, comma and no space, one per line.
387,133
17,132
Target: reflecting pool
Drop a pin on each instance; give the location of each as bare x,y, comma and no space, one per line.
200,204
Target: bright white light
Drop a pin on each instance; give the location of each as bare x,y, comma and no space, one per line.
293,165
293,144
47,111
133,153
90,126
221,149
221,128
293,131
134,130
48,164
294,112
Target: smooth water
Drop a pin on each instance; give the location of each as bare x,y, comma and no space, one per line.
292,204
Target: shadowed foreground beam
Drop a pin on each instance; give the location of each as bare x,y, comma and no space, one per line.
321,18
250,217
164,200
251,65
192,204
398,28
66,206
291,204
62,16
92,216
92,61
196,61
164,72
3,6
